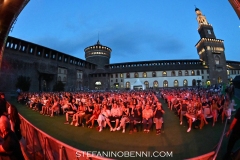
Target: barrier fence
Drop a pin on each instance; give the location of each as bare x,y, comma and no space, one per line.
38,145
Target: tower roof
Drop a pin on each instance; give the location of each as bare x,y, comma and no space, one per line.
197,9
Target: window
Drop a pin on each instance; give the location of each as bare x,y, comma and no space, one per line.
164,73
155,84
116,80
175,83
165,83
121,75
186,73
128,75
193,82
59,78
193,73
153,74
179,73
146,84
127,84
185,83
135,75
198,72
202,71
217,59
111,75
116,75
64,79
209,31
173,73
144,74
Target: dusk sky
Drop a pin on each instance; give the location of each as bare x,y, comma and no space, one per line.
135,30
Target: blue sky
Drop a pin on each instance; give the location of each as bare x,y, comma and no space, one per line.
135,30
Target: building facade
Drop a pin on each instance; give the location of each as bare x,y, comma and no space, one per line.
46,67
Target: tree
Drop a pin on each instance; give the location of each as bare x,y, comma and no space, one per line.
58,86
23,83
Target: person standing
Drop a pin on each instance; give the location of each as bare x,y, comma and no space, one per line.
158,117
235,135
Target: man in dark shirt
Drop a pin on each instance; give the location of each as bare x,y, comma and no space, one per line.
10,147
235,135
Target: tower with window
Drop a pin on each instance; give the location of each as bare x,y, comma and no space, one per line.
98,54
211,51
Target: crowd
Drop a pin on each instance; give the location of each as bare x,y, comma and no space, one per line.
199,104
117,109
112,109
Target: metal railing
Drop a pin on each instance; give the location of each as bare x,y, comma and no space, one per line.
40,145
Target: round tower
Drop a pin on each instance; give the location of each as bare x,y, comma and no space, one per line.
98,54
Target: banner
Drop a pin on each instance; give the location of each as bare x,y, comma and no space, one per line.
236,6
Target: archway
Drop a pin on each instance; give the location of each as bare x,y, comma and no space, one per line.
10,16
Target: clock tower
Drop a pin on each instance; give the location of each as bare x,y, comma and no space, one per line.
211,51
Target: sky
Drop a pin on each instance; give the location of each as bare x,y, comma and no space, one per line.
135,30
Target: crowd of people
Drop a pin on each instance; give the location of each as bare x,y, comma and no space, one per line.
199,104
117,109
112,109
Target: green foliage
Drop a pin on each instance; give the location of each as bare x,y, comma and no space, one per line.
59,86
23,83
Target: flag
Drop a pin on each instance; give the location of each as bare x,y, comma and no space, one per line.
236,6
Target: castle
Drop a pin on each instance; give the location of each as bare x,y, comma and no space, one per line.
46,66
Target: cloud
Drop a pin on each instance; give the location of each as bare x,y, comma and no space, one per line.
128,41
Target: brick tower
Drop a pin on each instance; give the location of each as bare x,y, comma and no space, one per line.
211,51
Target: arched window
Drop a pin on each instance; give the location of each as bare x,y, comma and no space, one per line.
165,83
64,79
175,83
59,78
164,74
144,74
135,75
128,75
80,76
198,72
179,73
146,84
154,74
155,84
193,73
173,73
127,84
217,59
186,73
193,82
185,83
